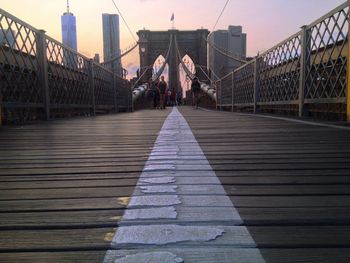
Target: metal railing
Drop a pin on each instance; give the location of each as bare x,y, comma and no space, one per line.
40,78
303,74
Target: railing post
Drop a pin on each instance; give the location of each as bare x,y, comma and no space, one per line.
217,94
348,77
115,87
302,78
43,70
131,103
0,108
232,90
256,83
92,85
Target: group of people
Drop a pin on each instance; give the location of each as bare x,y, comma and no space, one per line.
161,96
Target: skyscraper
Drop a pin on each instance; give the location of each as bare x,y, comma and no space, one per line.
69,29
233,42
111,41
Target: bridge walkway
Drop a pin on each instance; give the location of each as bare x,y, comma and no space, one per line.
65,186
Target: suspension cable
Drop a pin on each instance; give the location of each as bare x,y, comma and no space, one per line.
222,11
187,71
121,15
121,55
141,76
224,52
161,69
212,71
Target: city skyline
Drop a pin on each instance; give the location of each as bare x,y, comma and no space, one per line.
267,24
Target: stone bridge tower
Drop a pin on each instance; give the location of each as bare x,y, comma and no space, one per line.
155,43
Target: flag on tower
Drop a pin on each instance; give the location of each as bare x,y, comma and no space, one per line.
172,17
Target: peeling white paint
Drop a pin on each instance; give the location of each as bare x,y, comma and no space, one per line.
158,180
165,234
158,189
159,167
154,200
152,257
178,199
150,213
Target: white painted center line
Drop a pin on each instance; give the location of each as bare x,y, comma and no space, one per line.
179,201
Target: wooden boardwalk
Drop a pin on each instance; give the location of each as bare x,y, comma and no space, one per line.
64,185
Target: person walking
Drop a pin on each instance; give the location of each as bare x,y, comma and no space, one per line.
179,97
196,89
156,95
162,87
150,93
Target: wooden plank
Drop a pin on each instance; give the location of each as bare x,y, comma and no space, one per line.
60,193
66,239
289,182
73,183
64,204
302,255
295,216
207,255
53,257
61,219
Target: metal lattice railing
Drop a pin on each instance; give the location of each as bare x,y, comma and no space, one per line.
68,77
302,73
104,92
18,64
41,78
279,71
243,85
224,87
326,59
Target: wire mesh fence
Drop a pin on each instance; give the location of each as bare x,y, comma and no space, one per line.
306,74
41,78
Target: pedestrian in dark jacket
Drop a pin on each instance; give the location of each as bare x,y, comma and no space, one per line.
196,89
162,87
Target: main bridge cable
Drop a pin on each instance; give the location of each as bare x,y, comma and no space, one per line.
210,91
225,52
137,92
113,59
187,71
221,50
122,55
222,11
121,15
141,76
212,71
161,69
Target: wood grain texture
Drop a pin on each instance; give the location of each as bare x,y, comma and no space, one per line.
65,184
289,181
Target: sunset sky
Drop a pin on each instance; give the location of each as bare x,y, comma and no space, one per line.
266,22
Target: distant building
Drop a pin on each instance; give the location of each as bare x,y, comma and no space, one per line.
7,38
69,29
111,42
231,41
97,58
69,38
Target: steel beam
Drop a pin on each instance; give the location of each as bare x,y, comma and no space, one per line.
256,83
348,74
92,86
302,76
43,70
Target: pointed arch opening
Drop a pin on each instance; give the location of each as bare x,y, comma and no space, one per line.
184,80
158,63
